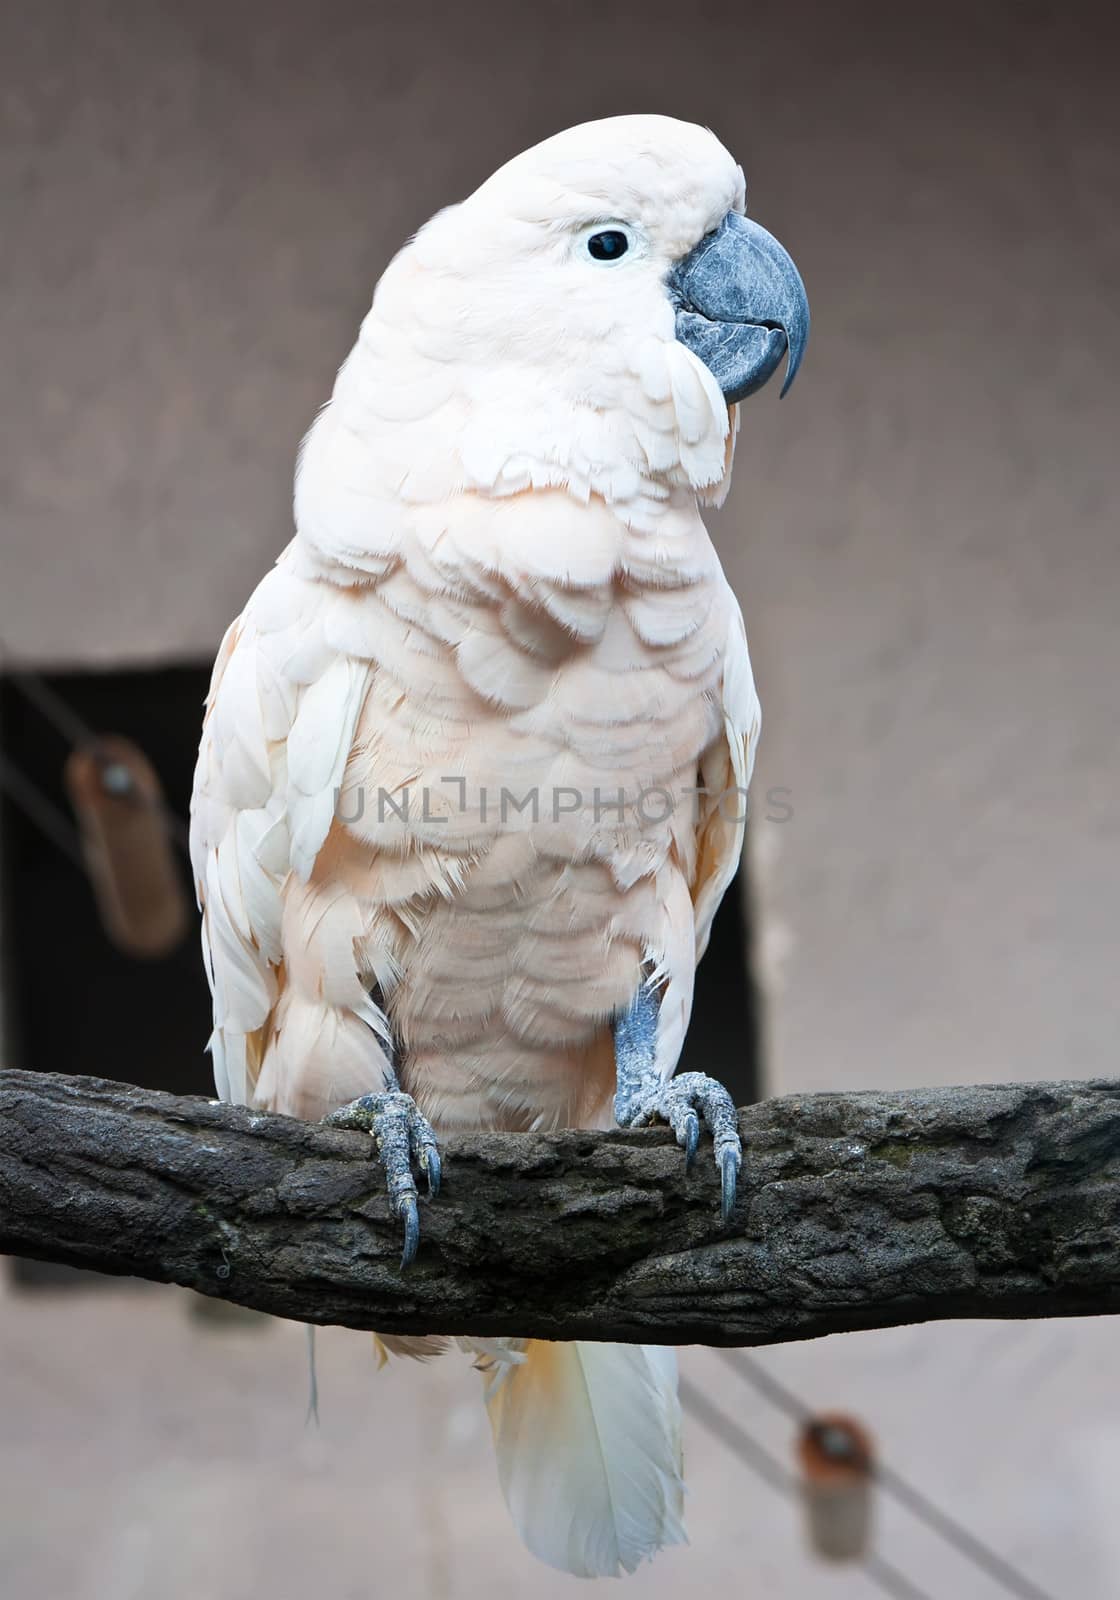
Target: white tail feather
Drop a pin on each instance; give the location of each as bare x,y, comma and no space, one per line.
587,1438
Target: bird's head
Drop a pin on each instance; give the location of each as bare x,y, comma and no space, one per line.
588,318
621,230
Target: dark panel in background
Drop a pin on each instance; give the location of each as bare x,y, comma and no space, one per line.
73,1002
723,1036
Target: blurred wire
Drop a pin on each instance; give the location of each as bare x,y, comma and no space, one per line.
74,730
50,821
886,1577
965,1543
52,706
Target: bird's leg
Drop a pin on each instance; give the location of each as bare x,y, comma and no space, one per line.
641,1095
402,1135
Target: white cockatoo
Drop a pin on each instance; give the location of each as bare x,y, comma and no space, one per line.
473,773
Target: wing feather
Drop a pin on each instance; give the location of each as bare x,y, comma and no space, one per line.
280,725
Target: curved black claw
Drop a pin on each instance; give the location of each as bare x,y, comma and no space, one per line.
402,1135
409,1211
682,1102
425,1151
681,1117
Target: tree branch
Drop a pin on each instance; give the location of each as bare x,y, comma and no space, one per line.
855,1211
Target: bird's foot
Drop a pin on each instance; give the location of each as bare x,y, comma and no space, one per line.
402,1135
682,1102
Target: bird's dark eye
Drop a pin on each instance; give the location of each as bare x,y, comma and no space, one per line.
608,245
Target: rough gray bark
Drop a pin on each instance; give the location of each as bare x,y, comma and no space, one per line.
855,1211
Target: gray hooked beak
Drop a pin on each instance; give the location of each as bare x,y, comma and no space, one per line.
740,305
